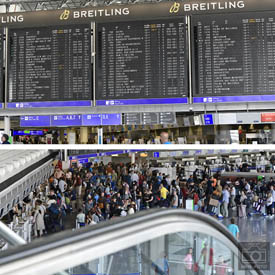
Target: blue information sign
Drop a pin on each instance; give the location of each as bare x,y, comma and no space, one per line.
66,120
35,121
208,119
111,119
48,104
83,160
156,154
142,101
28,133
91,120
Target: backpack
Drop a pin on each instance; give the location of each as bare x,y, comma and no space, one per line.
54,210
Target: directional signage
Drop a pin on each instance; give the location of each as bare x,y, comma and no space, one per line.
66,120
35,121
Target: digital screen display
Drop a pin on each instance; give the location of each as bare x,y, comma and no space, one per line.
49,64
1,68
167,118
142,62
35,121
234,57
150,118
28,133
132,119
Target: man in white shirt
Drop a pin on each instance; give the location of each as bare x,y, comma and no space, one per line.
62,185
225,201
134,177
80,218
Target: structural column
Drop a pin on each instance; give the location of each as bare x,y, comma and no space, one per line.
273,133
61,135
133,158
7,125
71,136
83,135
99,135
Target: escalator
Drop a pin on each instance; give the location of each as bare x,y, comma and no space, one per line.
148,243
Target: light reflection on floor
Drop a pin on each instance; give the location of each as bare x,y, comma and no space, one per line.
258,229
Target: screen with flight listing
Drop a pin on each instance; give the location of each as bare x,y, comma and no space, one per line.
141,62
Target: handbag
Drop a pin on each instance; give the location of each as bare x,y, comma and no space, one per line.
213,202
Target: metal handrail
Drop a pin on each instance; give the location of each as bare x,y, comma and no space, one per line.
67,249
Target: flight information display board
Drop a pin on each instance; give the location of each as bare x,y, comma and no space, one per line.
132,119
1,68
167,118
141,62
49,67
150,118
234,57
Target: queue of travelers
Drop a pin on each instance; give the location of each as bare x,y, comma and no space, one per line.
100,192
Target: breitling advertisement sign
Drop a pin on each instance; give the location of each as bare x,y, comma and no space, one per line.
131,12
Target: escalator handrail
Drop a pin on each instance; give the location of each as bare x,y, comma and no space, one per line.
109,234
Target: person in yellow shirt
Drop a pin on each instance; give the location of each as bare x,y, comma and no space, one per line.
163,195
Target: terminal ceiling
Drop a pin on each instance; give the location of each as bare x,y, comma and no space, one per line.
35,5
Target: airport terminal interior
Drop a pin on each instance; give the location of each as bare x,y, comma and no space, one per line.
137,211
137,137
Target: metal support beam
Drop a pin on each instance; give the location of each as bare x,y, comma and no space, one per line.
9,236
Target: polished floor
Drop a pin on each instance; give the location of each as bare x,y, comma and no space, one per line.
258,229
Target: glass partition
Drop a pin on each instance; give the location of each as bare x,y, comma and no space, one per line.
183,253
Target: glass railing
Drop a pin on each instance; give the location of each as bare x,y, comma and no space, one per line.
164,242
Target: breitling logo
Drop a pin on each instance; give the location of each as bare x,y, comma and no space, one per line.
175,8
65,15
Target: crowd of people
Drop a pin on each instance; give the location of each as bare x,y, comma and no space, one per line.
100,192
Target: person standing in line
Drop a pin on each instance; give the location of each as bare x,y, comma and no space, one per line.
234,229
273,199
175,200
243,200
269,204
80,218
225,201
39,224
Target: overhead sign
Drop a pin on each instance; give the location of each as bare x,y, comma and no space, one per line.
111,119
268,117
66,120
228,118
248,118
28,133
156,155
208,119
35,121
126,12
91,120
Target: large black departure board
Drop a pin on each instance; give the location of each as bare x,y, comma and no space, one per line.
234,54
49,64
141,59
1,66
